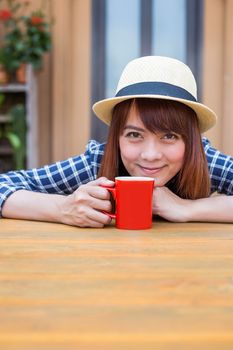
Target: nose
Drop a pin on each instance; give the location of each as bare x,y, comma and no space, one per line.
152,151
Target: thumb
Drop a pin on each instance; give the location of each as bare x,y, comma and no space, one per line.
103,181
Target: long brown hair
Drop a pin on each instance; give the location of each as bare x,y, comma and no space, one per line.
192,181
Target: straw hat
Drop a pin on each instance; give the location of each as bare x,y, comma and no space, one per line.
157,77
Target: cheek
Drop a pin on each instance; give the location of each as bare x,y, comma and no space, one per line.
176,155
128,151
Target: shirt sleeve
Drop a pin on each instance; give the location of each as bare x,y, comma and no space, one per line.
220,169
62,177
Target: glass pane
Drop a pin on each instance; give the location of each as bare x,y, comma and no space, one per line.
169,28
122,38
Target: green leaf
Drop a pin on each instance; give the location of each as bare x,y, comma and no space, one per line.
2,98
14,140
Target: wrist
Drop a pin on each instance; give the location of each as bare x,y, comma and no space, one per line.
190,209
60,204
196,209
187,209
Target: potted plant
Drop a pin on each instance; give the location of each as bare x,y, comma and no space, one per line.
26,37
13,134
17,134
2,97
4,75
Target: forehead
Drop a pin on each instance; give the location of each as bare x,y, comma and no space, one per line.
154,116
133,116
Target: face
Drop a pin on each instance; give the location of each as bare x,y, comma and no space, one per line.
159,155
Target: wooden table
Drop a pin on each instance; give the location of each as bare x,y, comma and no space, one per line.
63,287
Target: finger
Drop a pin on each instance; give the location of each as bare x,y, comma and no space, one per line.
98,192
102,181
89,223
99,217
100,204
92,218
93,223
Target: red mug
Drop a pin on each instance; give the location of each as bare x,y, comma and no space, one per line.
133,198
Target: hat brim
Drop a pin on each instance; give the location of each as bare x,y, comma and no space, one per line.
206,117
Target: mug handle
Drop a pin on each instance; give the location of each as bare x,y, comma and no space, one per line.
112,190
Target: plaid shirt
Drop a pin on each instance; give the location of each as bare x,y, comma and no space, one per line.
66,176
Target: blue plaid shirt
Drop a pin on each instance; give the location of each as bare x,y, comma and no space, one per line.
66,176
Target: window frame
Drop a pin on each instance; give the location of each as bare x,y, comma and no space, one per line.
194,44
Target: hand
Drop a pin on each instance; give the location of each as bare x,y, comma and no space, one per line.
83,207
169,206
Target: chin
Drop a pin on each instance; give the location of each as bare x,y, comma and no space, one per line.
159,182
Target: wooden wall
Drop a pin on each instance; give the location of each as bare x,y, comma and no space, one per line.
227,124
218,70
71,77
64,84
65,81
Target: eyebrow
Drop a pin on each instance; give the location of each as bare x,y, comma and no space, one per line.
134,127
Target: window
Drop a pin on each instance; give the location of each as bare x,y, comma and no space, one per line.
126,29
122,39
169,28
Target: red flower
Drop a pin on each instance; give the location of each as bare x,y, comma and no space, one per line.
35,20
5,15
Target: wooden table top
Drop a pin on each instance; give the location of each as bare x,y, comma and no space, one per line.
62,287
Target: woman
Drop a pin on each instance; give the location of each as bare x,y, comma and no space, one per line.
155,130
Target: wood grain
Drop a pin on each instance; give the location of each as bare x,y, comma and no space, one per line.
63,287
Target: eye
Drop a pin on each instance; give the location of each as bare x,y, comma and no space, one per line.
133,135
170,136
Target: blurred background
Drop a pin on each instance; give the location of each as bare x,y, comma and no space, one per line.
73,52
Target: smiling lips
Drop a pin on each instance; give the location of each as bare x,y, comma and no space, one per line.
150,171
